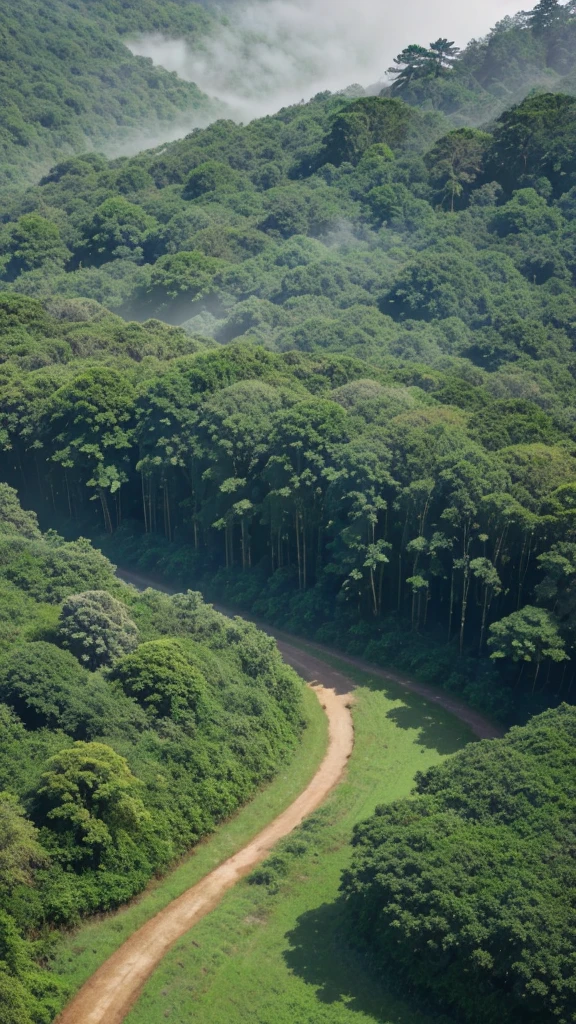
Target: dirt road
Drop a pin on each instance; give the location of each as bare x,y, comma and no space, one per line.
314,668
110,993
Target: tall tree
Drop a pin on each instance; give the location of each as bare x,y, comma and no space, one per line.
530,635
444,55
455,162
413,63
545,16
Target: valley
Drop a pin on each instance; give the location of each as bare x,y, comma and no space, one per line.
287,324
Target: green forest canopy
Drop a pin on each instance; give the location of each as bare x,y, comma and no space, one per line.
323,365
130,724
69,84
467,890
365,418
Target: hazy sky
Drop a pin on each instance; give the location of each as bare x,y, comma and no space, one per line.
276,52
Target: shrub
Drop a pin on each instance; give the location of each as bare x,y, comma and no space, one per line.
97,628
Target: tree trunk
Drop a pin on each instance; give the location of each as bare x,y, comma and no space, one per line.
465,592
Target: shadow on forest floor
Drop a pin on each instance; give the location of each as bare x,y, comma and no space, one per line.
437,730
320,955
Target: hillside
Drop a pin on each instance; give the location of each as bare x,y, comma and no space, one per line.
129,726
320,367
380,450
69,84
535,49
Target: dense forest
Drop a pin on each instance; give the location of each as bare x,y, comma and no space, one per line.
468,889
130,724
69,83
364,425
320,366
534,49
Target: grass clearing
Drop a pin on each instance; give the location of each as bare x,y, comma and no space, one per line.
81,952
277,953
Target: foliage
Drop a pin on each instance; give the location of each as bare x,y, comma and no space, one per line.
96,628
88,791
47,687
70,84
20,849
468,887
13,518
197,712
355,417
379,436
163,680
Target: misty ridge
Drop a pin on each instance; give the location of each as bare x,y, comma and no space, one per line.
269,54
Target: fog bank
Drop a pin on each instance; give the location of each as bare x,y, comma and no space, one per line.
276,52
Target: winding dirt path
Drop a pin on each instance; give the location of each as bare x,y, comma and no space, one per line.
109,994
314,668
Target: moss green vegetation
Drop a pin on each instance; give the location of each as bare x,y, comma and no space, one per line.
321,366
130,726
361,424
469,888
80,952
69,83
275,950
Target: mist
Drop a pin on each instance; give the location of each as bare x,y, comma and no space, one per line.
272,53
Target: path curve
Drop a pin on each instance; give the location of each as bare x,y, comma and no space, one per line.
312,667
109,994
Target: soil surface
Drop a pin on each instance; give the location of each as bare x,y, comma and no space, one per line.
111,992
310,667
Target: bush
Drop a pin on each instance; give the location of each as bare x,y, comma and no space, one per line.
161,678
467,890
96,628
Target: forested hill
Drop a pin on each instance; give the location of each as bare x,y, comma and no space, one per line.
534,49
386,454
130,724
69,84
467,891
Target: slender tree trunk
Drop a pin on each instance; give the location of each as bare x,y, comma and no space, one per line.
374,595
451,609
106,511
520,571
304,555
465,592
484,616
144,509
380,588
68,495
298,555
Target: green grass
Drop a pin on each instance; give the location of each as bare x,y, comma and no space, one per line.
278,954
80,953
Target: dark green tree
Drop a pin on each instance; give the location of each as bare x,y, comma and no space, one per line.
546,16
530,635
444,54
89,790
455,163
162,679
96,628
415,62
